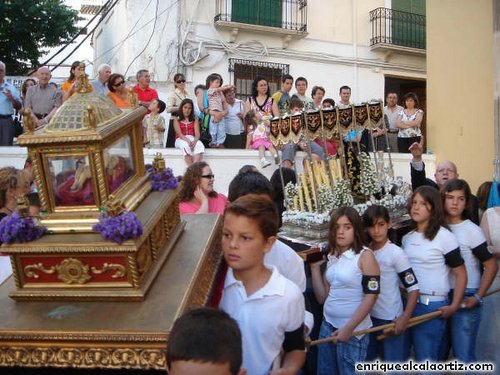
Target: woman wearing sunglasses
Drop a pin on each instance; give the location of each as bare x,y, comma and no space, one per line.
197,195
118,91
174,100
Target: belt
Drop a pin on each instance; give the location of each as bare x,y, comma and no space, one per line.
426,298
393,131
40,115
5,116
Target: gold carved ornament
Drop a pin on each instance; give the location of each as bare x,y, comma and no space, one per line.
274,132
73,271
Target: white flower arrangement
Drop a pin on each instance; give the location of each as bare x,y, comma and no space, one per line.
326,199
290,193
342,194
369,184
303,218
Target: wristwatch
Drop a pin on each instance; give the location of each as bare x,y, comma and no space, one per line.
479,299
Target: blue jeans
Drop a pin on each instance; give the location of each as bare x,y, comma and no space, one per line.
464,327
218,131
393,349
340,359
427,337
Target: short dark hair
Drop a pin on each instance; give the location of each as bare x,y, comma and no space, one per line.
259,208
285,77
431,196
354,218
247,183
200,86
161,105
206,335
300,79
329,100
373,213
411,95
212,77
345,87
296,102
458,184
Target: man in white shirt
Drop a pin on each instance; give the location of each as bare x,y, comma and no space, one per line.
233,122
301,87
345,96
391,111
101,83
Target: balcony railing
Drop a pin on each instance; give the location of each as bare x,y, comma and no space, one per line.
288,15
396,28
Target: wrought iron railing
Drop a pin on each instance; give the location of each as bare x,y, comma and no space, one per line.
282,14
397,28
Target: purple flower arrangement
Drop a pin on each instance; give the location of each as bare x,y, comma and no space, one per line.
118,228
162,180
15,228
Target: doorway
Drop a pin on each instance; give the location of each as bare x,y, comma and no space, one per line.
403,86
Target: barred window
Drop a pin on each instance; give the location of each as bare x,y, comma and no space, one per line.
245,71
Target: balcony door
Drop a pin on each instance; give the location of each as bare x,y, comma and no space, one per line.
257,12
407,30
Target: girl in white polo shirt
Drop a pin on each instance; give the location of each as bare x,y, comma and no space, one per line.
464,323
433,252
395,269
268,307
348,289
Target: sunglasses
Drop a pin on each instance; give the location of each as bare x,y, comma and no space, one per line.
181,81
209,176
118,84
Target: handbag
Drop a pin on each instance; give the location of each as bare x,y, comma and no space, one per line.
205,136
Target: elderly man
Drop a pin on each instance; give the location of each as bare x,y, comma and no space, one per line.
43,99
391,112
10,100
144,93
446,170
101,83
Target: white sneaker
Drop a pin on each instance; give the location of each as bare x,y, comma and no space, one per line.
264,163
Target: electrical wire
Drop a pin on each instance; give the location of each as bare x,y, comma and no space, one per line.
132,29
149,40
86,37
139,29
77,35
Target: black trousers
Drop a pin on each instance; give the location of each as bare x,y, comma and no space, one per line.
6,131
405,143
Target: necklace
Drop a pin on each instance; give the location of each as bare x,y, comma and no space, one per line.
8,209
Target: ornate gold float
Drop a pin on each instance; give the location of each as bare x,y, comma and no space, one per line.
87,159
